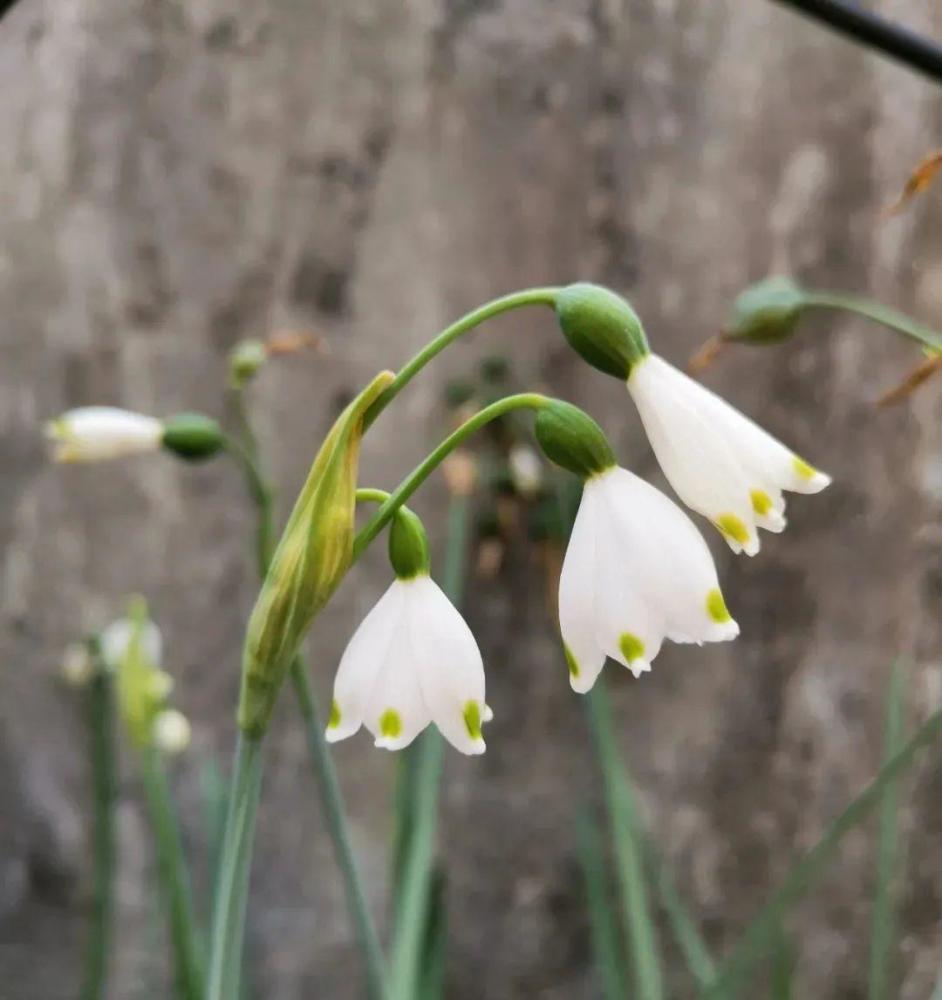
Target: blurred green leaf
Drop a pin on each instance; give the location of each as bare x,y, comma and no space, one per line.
783,962
760,935
602,917
881,942
642,935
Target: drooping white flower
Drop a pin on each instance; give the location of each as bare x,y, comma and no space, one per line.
718,461
412,661
99,433
116,638
171,731
636,571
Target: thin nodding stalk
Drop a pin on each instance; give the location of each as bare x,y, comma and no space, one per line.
879,313
524,400
506,303
101,727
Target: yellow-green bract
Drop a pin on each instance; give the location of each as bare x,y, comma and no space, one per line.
311,559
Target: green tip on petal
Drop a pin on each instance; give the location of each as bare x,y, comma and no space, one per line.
716,607
472,719
803,469
631,646
734,527
390,723
334,719
761,502
571,662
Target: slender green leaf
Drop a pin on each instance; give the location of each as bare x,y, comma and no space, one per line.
938,989
642,934
215,792
603,919
433,971
760,934
185,935
783,962
692,946
101,727
881,941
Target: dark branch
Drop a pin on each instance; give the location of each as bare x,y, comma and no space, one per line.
859,25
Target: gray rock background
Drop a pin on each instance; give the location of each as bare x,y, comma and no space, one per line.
179,176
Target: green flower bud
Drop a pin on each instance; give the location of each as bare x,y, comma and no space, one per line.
245,360
601,327
192,436
767,312
311,559
408,545
572,439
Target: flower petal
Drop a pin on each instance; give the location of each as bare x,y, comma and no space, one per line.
693,452
97,433
577,605
667,553
448,665
363,660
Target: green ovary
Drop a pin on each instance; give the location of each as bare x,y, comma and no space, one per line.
390,723
631,646
802,469
734,527
761,502
334,719
571,662
716,607
472,719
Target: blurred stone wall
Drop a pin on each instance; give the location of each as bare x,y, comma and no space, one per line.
176,176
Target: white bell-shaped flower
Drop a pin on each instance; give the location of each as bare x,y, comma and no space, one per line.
412,661
636,571
116,638
718,461
99,433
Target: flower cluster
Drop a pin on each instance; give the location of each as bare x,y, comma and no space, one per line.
636,570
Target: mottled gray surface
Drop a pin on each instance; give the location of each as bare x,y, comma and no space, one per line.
177,176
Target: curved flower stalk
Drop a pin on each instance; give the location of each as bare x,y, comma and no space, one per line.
101,433
636,569
412,661
718,461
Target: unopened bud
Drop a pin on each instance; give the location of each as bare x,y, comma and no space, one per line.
602,328
171,731
192,436
767,312
245,361
571,439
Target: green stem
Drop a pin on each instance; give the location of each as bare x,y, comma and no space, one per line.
332,802
524,400
262,495
527,297
225,971
174,881
101,730
626,828
325,772
879,314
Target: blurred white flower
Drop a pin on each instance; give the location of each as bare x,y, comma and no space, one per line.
636,571
116,638
77,666
526,469
98,433
718,461
412,661
171,731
